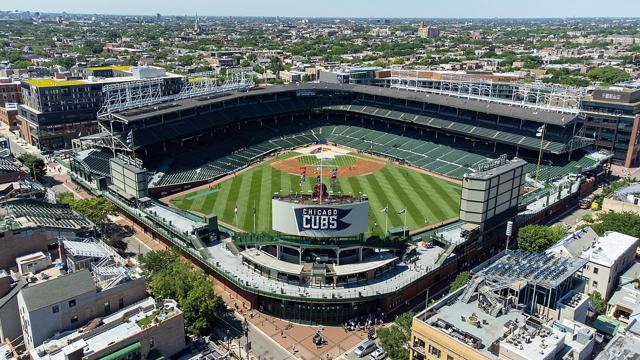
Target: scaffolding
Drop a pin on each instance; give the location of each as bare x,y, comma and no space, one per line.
131,95
529,95
534,281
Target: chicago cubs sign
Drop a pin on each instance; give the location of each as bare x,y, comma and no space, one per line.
319,220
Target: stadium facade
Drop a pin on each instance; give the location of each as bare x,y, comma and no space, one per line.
303,274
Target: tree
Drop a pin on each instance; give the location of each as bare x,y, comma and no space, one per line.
608,75
394,339
35,165
624,222
597,302
171,277
538,238
156,261
461,280
96,209
201,305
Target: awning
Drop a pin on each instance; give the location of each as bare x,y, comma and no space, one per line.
124,352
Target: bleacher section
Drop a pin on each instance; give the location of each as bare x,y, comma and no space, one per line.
95,160
516,137
211,162
428,155
552,172
440,154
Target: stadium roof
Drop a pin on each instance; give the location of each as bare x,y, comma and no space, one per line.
503,109
112,67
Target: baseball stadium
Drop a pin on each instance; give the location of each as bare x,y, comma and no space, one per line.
338,198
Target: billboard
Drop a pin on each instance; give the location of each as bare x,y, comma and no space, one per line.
319,220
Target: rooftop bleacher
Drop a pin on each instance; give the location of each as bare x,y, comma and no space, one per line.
33,213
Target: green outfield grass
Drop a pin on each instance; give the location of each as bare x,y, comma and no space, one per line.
428,199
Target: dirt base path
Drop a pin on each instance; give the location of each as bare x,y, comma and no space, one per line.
361,166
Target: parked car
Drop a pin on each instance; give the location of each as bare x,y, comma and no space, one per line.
365,348
379,354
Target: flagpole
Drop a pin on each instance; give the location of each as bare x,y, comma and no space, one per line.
386,221
404,228
321,183
254,216
544,129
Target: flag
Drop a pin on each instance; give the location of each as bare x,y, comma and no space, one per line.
402,211
540,130
130,138
385,210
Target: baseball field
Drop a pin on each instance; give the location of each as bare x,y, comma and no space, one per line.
428,199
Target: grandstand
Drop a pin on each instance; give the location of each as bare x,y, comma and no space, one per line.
201,139
440,155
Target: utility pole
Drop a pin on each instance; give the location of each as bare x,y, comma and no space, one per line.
426,300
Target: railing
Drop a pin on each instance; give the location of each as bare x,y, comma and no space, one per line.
272,289
247,239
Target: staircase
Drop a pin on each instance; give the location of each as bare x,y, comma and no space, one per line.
471,289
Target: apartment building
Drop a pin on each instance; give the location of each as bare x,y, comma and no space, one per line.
517,306
144,330
607,257
71,301
613,119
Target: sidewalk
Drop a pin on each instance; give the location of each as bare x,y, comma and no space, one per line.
297,339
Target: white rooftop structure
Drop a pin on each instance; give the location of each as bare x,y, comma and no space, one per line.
371,263
608,248
115,331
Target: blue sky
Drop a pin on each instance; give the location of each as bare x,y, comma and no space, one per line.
344,8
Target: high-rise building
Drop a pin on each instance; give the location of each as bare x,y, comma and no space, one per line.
428,31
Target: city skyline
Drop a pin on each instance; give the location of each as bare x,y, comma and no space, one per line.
334,8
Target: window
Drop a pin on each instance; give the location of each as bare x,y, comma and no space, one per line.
107,307
449,357
595,270
74,319
55,309
120,303
435,351
595,284
72,303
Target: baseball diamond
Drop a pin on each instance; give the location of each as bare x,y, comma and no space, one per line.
428,199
